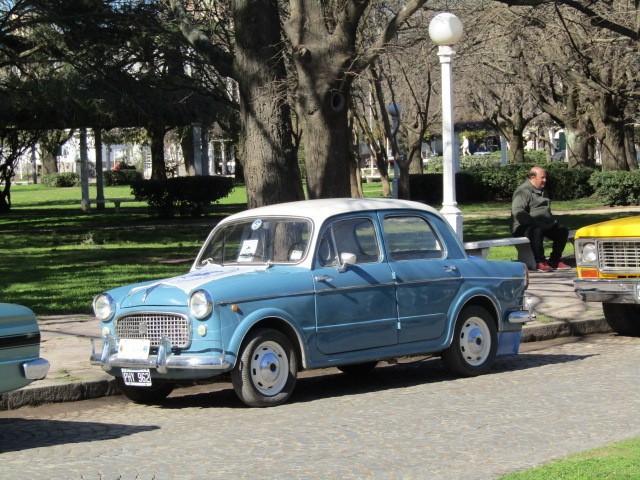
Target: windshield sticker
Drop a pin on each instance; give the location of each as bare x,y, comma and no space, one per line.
256,224
248,250
295,255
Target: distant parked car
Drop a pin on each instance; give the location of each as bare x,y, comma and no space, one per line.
342,282
608,264
20,362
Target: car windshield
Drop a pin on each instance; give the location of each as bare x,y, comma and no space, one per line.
258,240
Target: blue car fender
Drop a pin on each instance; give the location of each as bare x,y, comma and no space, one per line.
266,317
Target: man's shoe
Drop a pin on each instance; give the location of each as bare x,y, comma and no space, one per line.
559,266
544,267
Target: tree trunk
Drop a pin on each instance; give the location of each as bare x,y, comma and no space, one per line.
186,142
158,168
629,140
578,146
514,136
271,170
355,180
326,144
49,162
613,152
610,125
414,139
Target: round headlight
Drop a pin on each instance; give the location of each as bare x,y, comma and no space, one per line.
103,306
200,304
589,253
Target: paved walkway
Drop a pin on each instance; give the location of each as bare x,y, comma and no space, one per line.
66,342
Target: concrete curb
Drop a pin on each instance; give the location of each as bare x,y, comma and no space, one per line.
73,392
86,390
558,329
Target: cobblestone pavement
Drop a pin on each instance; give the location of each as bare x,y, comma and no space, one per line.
411,420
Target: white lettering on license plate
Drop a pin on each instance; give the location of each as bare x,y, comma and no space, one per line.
136,378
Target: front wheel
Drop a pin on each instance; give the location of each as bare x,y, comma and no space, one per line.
267,369
156,393
475,343
624,319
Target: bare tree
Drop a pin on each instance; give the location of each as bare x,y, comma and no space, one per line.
616,17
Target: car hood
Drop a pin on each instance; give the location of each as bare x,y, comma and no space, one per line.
621,227
175,291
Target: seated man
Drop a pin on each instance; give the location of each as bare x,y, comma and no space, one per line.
531,217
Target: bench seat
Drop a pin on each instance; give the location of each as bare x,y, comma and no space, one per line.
525,255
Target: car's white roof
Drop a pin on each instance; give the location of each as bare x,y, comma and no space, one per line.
318,210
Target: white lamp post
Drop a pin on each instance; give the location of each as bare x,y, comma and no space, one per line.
446,30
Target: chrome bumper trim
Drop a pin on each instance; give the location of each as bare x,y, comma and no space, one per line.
162,362
36,369
521,316
610,291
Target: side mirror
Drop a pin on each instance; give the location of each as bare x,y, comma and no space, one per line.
346,259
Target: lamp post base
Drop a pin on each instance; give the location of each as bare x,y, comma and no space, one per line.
453,216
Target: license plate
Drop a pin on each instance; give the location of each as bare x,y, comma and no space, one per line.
136,378
133,348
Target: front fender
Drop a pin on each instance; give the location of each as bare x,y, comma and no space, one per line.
272,318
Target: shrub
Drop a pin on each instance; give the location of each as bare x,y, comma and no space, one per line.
61,180
482,183
186,196
617,187
434,165
121,177
537,157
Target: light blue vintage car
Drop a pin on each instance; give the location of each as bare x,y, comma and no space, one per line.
20,362
320,283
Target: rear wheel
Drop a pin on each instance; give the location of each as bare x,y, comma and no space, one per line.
267,369
156,393
624,319
475,343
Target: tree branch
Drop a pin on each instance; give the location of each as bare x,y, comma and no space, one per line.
212,53
386,35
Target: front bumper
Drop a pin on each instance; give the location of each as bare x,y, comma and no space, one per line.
608,291
163,361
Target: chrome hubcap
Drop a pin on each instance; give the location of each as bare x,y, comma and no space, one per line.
475,341
269,368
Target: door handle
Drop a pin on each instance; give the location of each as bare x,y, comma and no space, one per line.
450,268
323,278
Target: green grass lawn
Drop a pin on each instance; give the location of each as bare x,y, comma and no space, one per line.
617,461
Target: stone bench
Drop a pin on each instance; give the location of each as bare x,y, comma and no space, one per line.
116,202
525,255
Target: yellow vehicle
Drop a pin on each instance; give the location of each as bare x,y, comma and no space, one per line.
608,261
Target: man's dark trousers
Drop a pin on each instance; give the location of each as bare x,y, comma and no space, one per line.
536,236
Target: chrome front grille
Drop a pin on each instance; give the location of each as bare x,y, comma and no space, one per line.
154,326
619,256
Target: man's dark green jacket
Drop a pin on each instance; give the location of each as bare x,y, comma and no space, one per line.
530,206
